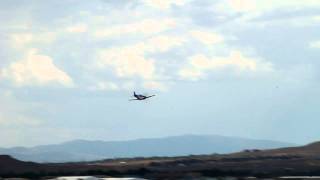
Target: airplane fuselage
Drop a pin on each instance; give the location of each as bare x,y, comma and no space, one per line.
140,97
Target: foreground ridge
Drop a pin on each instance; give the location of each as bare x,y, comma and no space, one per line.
286,162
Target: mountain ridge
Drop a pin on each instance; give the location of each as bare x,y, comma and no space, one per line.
87,150
272,163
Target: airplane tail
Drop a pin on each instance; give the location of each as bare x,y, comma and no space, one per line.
134,93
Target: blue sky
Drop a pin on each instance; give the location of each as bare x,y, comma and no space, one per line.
247,68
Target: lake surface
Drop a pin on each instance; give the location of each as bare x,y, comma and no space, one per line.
92,178
226,178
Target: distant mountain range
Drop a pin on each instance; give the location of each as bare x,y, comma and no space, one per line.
84,150
301,161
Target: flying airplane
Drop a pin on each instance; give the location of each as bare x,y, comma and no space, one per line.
140,97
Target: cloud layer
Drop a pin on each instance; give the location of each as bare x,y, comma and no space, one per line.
36,69
256,62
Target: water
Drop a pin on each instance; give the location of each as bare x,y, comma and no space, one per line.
202,178
226,178
92,178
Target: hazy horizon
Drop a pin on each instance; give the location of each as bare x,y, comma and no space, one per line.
243,68
144,138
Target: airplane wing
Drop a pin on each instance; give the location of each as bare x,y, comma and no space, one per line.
150,96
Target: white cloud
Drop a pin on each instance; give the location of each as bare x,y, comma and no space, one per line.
127,62
128,86
252,10
207,37
130,60
235,59
77,28
274,4
299,21
21,40
145,27
200,64
161,43
261,6
315,44
104,86
36,69
164,4
154,85
242,5
316,18
191,74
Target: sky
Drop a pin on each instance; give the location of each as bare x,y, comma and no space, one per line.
245,68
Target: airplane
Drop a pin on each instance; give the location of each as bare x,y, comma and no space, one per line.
140,97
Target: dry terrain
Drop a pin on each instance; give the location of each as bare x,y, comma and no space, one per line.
294,161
